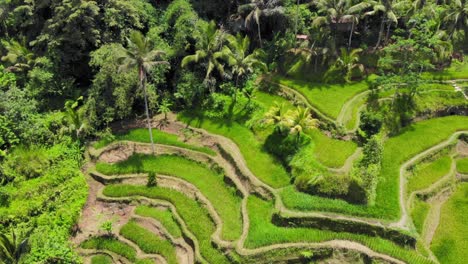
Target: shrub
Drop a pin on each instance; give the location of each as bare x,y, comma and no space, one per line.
107,226
152,181
371,122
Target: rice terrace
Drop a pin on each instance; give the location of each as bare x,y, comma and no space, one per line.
249,131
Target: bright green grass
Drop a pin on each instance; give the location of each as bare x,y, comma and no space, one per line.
101,259
428,173
149,242
397,150
439,100
328,98
164,216
263,233
462,165
110,244
262,164
352,114
331,152
450,243
194,215
419,214
159,137
206,180
458,70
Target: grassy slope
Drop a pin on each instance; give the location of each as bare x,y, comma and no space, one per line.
209,183
462,165
429,173
397,150
419,214
450,243
112,245
262,164
164,216
149,242
101,259
456,71
331,152
194,215
328,98
262,233
142,135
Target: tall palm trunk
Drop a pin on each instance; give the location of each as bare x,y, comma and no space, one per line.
387,36
382,27
143,86
351,35
259,33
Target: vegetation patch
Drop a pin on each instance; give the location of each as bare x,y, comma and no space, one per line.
426,174
449,243
111,244
149,242
462,166
194,215
328,98
210,183
164,216
160,137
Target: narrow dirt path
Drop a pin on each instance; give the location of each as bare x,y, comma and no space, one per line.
458,88
433,217
404,219
240,166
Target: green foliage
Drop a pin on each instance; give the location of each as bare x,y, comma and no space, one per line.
152,180
101,259
141,135
428,173
164,216
194,215
209,182
111,244
148,242
449,243
107,227
462,165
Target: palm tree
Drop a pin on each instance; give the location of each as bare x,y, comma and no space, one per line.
346,64
12,248
141,55
276,116
18,55
77,124
300,121
456,15
209,42
389,17
338,13
305,53
257,9
236,53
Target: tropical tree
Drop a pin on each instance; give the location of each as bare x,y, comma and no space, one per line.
165,107
389,17
456,16
237,55
306,52
12,248
338,13
300,121
18,55
258,9
210,40
141,55
74,117
277,117
346,65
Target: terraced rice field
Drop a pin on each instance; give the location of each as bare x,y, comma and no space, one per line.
207,207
